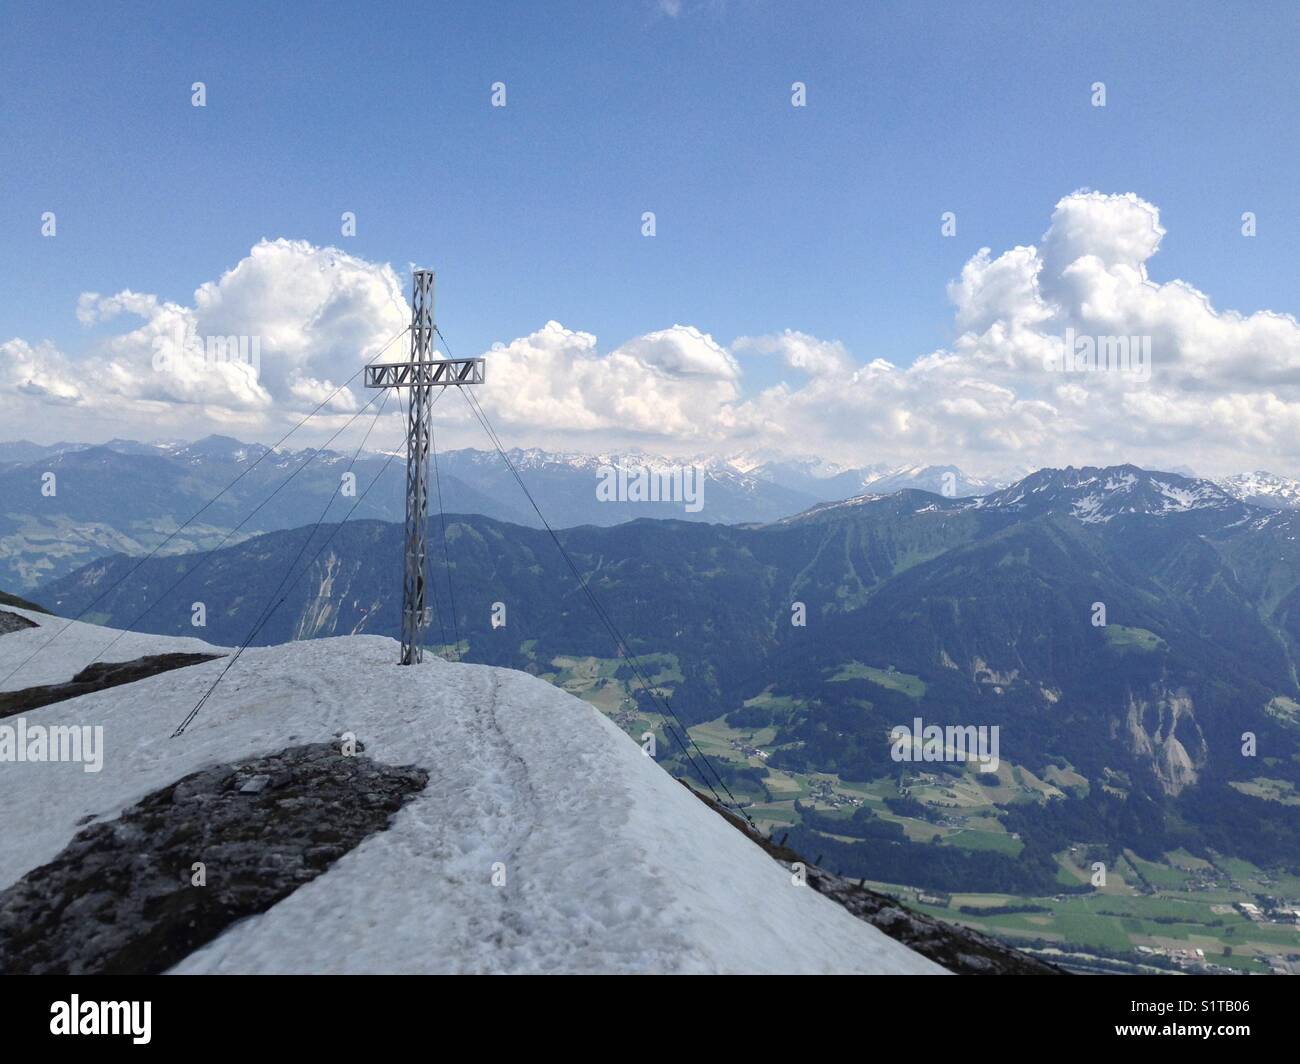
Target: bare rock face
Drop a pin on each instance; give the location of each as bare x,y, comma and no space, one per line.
1163,730
125,897
14,622
96,677
961,950
983,673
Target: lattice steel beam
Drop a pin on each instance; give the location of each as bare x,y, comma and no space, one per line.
421,375
436,373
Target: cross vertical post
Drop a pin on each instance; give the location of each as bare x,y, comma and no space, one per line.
421,374
414,610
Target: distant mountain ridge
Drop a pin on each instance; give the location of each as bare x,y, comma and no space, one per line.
1090,494
1263,489
126,496
1098,495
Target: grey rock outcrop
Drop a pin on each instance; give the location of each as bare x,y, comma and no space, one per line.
123,896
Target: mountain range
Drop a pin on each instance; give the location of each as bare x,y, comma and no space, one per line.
1122,629
132,497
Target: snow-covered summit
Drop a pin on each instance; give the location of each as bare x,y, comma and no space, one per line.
1263,489
610,865
1092,495
1098,495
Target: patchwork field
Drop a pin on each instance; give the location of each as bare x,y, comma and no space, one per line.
1179,913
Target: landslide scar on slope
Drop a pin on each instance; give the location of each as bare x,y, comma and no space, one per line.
119,899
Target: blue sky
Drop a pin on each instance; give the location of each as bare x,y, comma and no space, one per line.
823,219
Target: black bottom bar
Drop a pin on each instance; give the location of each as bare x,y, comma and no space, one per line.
333,1014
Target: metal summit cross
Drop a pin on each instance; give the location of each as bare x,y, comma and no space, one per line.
421,374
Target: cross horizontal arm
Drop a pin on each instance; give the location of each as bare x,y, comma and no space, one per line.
439,373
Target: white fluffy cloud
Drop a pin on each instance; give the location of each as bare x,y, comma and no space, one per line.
271,338
799,351
1223,391
657,385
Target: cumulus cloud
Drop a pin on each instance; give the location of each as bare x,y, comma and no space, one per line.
1223,390
1116,231
270,339
668,384
799,351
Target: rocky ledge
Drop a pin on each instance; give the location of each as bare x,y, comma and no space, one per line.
959,949
96,677
138,894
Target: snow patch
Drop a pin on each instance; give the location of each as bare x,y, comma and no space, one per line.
610,864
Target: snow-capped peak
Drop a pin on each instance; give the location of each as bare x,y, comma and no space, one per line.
1263,489
1098,495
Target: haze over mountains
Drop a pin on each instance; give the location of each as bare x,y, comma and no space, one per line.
126,496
